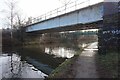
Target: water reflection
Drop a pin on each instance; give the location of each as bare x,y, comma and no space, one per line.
41,55
13,67
60,52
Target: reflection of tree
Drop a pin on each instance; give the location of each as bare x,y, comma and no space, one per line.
16,66
50,50
11,64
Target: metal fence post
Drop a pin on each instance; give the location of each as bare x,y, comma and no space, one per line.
57,11
45,16
75,5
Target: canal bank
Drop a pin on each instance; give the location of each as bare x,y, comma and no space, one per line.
64,70
42,54
81,65
89,64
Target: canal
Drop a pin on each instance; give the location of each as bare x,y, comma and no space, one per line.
39,57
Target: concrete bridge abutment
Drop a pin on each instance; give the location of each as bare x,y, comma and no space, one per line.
109,33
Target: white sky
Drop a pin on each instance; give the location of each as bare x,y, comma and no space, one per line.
38,7
31,8
34,8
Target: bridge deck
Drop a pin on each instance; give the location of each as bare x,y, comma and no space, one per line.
90,14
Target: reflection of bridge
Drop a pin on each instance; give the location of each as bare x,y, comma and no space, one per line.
102,15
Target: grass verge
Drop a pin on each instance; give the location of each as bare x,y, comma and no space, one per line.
63,69
107,65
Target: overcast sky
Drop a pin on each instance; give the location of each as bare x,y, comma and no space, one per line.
34,8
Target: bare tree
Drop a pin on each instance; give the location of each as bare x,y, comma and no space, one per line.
13,16
14,20
10,11
19,21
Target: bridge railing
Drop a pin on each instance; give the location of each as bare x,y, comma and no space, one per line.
72,6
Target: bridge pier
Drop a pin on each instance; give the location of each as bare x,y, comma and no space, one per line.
110,31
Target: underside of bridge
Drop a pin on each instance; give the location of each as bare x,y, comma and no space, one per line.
94,25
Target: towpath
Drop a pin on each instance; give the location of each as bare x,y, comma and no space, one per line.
85,64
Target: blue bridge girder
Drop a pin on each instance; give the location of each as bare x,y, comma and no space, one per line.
89,14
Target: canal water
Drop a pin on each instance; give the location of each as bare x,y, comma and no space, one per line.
40,59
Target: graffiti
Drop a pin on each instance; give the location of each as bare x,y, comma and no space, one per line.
111,32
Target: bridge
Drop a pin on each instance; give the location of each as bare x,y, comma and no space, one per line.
99,15
83,15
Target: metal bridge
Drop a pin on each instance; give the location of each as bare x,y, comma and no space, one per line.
101,15
76,15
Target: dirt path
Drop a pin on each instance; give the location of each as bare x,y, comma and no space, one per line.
85,65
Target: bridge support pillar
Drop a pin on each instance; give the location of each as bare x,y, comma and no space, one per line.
110,31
